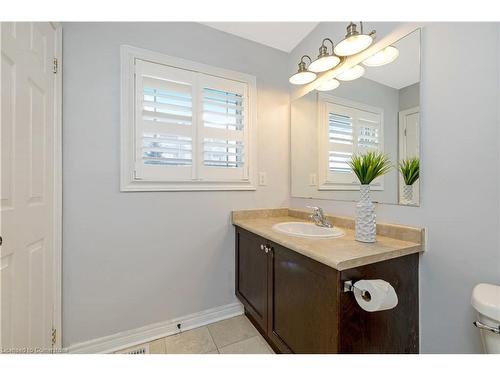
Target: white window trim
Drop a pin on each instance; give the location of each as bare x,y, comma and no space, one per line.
324,183
127,137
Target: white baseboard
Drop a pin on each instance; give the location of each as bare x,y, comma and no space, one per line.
133,337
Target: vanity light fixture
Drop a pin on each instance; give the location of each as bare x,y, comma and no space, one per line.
352,73
331,84
354,42
303,75
325,60
385,56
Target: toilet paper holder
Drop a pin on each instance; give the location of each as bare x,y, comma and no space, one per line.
349,287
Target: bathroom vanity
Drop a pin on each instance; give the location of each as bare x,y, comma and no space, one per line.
292,288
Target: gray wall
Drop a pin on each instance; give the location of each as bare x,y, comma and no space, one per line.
409,97
459,194
132,259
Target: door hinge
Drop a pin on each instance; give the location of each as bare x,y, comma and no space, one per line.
54,336
55,65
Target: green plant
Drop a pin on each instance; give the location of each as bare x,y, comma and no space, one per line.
410,169
369,166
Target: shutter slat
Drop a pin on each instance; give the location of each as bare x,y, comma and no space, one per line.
168,106
222,115
222,134
222,105
170,162
221,95
166,87
165,117
164,128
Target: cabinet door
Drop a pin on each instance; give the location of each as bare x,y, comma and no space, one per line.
252,276
303,299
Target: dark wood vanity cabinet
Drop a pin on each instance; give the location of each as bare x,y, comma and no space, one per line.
252,276
299,306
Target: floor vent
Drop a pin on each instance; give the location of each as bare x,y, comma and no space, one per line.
141,349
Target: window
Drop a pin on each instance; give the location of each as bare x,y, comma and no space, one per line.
185,126
346,128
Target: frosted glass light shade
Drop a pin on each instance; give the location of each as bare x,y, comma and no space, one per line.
324,63
382,57
352,73
353,45
331,84
301,78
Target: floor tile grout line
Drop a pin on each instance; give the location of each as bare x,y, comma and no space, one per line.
256,333
213,341
248,338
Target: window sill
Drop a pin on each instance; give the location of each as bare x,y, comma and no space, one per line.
136,185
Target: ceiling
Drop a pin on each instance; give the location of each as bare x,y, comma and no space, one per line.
280,35
405,70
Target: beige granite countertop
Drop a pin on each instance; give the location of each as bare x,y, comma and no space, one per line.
340,253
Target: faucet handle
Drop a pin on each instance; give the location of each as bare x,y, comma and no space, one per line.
316,209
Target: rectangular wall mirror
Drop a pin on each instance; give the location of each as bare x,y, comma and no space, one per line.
378,112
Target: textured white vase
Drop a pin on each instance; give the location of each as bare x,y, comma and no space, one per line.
366,228
408,194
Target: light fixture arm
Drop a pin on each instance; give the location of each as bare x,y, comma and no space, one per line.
302,59
323,49
302,64
327,40
371,33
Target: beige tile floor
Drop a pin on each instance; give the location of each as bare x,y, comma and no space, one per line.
231,336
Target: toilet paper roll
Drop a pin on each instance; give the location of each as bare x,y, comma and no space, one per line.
375,295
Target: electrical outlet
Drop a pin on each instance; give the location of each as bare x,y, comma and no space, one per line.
262,178
313,181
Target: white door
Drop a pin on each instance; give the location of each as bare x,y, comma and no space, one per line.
409,145
29,272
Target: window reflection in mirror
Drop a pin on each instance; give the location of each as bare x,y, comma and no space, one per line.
377,112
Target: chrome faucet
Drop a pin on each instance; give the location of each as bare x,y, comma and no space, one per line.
318,216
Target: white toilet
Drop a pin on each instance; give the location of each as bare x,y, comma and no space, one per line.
486,301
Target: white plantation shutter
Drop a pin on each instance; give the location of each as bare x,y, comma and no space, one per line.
165,122
189,126
222,134
350,131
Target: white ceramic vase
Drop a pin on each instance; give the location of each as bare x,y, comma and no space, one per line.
365,226
407,194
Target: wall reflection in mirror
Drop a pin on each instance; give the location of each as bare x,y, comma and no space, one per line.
379,111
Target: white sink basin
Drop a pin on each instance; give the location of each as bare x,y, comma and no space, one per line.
310,230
